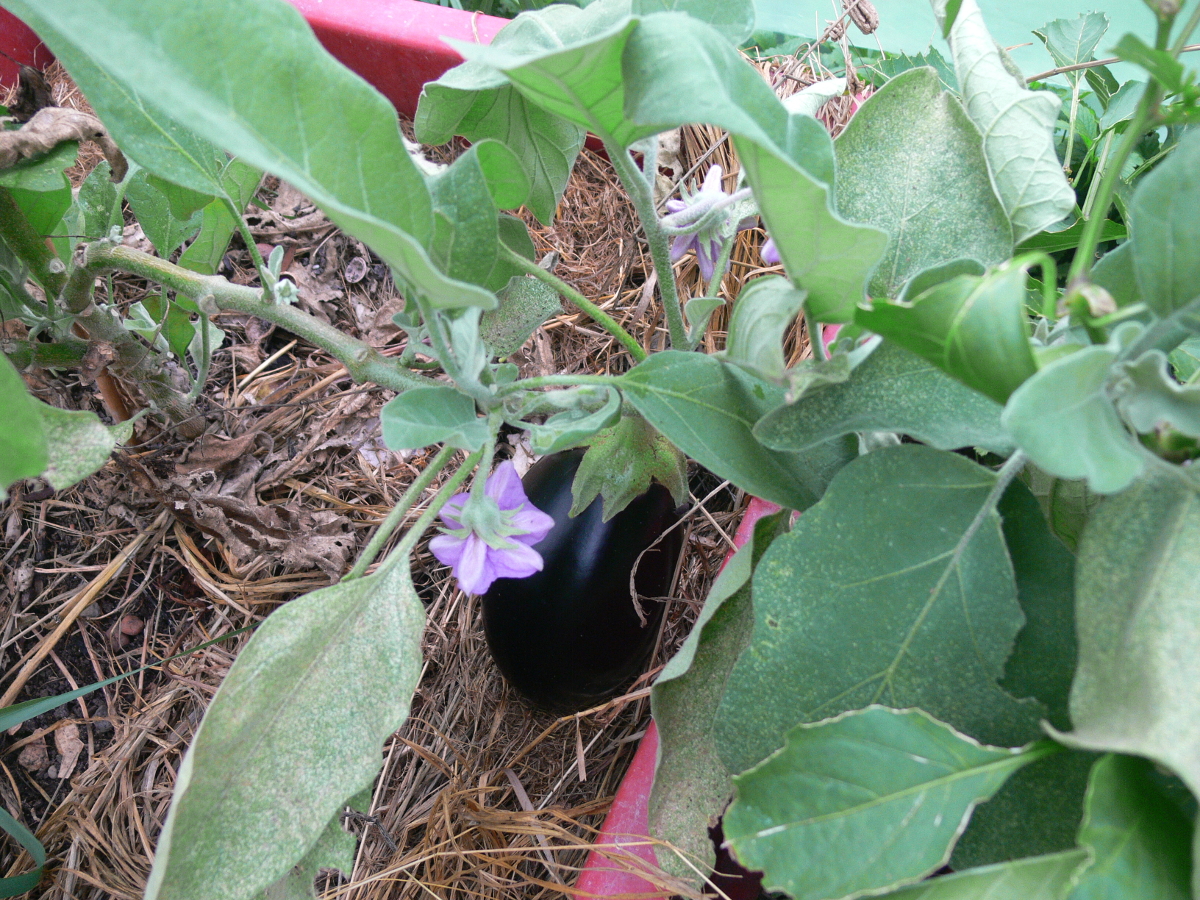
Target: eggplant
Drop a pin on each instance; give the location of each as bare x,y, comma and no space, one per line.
569,637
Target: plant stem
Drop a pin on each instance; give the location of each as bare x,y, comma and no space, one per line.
30,247
557,381
816,337
389,524
660,247
445,492
599,316
362,361
1081,265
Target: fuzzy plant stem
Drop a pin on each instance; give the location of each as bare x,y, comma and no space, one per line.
642,195
362,361
599,316
30,247
396,516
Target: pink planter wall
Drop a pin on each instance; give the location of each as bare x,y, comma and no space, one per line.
20,46
395,44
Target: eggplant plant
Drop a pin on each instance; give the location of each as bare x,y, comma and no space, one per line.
976,644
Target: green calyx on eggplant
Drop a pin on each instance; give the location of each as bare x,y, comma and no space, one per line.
569,637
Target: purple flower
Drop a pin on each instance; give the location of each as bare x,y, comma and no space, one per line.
492,537
770,253
708,241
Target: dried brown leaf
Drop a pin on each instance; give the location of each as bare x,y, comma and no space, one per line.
51,126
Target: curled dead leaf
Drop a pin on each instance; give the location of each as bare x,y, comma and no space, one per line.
52,125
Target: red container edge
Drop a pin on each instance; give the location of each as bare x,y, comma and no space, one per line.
626,828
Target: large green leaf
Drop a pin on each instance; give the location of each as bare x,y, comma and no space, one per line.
862,803
1017,125
1037,811
295,729
691,783
1065,421
891,390
1073,41
1138,619
732,18
430,415
23,446
1137,837
224,70
707,409
911,163
40,187
1038,878
1166,242
882,593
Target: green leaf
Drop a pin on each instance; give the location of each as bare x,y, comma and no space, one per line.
24,451
1037,811
862,803
156,86
732,18
264,775
524,305
1185,359
973,328
1137,837
1043,658
620,464
1018,127
466,231
1073,41
1064,420
92,215
1066,504
891,390
788,159
430,415
691,783
468,101
217,221
334,850
43,174
79,443
16,885
1137,609
911,163
707,408
1166,244
1166,69
1122,106
158,204
577,78
762,314
1039,878
1068,238
1115,273
1147,396
573,427
882,593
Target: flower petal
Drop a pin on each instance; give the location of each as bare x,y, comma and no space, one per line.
706,255
447,548
770,253
475,572
450,513
504,486
517,562
533,522
681,245
712,181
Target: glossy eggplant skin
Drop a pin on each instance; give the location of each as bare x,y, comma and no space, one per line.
569,637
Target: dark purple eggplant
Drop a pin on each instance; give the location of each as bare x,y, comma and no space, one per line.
569,637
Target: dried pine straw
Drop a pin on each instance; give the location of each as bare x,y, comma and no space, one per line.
480,796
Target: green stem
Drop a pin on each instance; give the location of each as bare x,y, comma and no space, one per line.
1089,202
660,246
1081,265
445,492
362,361
396,516
205,361
1182,38
599,316
557,381
30,247
816,338
1071,117
264,276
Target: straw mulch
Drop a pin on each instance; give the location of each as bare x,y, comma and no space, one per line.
175,543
